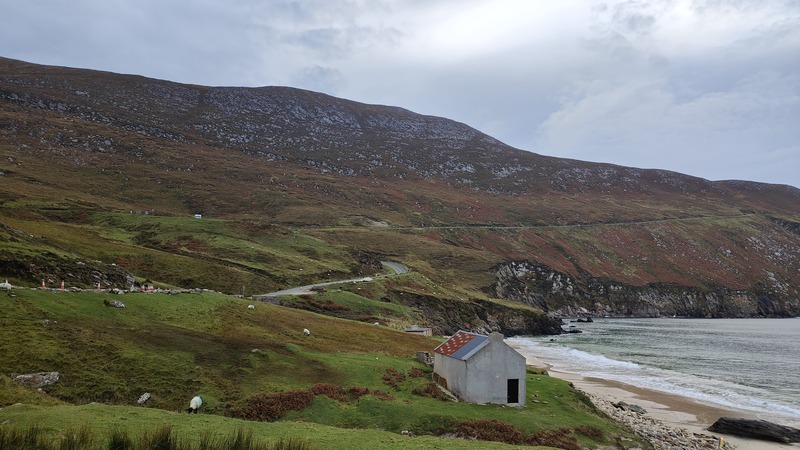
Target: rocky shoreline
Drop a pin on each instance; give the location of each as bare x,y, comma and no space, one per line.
658,434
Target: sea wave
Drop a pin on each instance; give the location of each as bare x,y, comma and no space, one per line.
704,389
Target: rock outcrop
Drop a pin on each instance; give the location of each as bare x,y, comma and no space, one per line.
756,429
36,380
446,317
564,295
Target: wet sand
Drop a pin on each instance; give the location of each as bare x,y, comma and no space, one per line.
673,411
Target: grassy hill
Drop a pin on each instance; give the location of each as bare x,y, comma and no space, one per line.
298,187
358,376
100,178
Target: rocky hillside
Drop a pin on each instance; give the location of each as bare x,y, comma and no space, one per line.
472,214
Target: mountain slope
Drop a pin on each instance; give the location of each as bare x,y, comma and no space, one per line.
365,181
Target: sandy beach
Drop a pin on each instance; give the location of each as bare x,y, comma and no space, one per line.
673,411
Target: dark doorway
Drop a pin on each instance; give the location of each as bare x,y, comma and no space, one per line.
513,391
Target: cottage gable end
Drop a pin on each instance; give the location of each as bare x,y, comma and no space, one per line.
481,369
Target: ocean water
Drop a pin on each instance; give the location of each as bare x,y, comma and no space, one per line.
750,364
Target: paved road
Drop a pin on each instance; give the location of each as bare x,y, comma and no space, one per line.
301,290
396,266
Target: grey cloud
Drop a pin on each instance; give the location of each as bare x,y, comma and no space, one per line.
634,17
339,42
320,79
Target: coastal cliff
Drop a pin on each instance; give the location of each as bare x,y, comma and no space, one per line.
448,316
564,295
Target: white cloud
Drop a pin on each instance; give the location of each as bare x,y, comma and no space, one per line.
647,125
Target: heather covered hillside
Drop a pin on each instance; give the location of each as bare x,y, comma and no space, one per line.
102,175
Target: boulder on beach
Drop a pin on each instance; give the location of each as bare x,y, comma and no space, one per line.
629,407
755,429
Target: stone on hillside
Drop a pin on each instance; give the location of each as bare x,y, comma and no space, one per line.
113,303
36,380
143,398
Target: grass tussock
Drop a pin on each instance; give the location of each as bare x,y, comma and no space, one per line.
161,438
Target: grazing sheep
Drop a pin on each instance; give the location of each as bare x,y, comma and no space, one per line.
194,405
251,306
306,332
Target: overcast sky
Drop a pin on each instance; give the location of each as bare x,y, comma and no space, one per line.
709,88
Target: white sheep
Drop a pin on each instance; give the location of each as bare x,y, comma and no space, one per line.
251,306
306,332
194,405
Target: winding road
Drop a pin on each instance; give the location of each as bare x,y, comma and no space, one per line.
396,267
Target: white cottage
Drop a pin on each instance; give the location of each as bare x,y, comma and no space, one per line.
480,369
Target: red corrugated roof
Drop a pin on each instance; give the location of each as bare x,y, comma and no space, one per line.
455,343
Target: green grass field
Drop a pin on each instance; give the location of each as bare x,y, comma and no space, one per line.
212,345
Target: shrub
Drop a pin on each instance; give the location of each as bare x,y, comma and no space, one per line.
392,378
558,438
271,407
416,373
381,395
329,390
490,430
590,431
311,304
356,392
431,390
